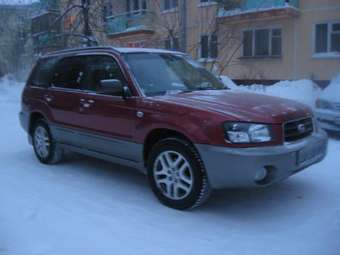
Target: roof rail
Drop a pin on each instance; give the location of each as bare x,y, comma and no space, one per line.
80,49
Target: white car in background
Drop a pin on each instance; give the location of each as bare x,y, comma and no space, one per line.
328,106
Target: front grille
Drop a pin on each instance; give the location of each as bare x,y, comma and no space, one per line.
298,129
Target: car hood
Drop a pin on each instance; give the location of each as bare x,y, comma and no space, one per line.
241,106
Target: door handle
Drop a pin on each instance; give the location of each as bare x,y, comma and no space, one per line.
85,103
48,98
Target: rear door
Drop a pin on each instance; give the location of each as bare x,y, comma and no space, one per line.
109,120
63,97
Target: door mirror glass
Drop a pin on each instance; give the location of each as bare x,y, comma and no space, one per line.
111,87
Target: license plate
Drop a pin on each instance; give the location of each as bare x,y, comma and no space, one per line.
309,154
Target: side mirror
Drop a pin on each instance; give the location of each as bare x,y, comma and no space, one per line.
111,87
114,87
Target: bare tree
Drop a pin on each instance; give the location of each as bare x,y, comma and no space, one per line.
168,25
78,23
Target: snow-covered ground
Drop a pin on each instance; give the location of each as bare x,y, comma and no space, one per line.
86,206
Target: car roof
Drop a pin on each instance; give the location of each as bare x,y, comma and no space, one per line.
119,50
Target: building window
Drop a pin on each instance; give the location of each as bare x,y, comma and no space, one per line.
208,1
203,3
248,43
276,46
107,11
209,46
170,5
327,37
262,42
172,43
136,6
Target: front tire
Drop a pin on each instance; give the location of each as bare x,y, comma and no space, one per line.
45,148
177,175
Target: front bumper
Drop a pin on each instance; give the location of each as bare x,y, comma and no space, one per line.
237,167
328,119
24,121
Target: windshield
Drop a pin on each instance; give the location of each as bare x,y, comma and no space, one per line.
163,73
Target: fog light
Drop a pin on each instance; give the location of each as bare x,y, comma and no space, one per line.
261,175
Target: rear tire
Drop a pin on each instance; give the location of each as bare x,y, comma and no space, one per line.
46,149
177,175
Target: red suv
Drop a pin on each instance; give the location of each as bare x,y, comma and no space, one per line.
162,113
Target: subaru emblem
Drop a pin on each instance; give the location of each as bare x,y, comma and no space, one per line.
301,128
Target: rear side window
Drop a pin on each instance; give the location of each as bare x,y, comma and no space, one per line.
101,68
69,73
42,74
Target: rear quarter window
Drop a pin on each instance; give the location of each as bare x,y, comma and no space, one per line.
42,74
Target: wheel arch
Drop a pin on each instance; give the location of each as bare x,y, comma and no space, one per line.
158,134
34,117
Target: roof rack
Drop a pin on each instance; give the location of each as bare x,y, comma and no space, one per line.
81,49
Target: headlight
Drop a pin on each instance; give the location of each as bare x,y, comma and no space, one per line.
323,104
247,132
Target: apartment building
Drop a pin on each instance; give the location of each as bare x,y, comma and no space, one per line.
248,40
285,39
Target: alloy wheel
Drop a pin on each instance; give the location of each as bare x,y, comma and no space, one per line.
42,142
173,175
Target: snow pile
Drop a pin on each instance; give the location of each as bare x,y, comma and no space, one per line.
332,92
10,89
229,83
303,91
261,8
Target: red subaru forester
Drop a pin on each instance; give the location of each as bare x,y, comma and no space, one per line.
162,113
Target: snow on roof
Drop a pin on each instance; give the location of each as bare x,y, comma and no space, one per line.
144,50
117,49
239,11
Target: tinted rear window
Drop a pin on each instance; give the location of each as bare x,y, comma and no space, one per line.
69,73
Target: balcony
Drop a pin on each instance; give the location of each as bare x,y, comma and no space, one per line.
46,22
49,41
130,23
250,9
44,6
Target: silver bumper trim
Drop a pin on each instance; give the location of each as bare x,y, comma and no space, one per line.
236,167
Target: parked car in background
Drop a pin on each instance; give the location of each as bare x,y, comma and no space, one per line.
328,107
162,113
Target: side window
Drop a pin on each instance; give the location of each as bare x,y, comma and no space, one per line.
101,68
69,73
42,74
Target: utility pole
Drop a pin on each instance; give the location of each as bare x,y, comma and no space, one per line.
87,29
